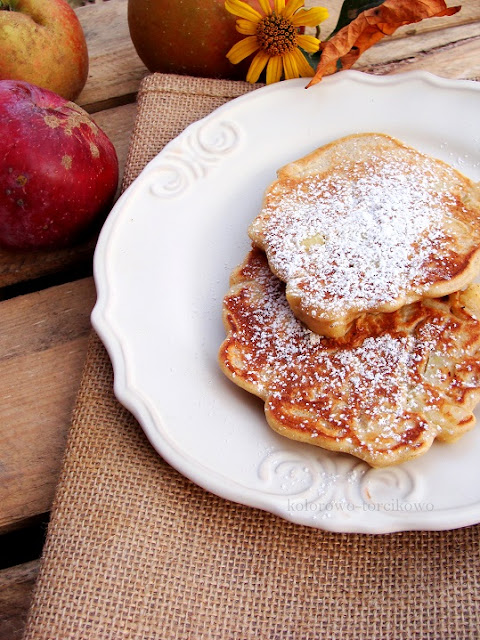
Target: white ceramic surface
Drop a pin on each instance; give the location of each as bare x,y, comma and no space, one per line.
162,266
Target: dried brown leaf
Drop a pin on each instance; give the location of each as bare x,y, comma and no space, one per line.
346,46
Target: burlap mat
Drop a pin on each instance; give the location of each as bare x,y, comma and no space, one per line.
134,550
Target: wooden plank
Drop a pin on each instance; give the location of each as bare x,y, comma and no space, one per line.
16,586
42,351
118,125
115,71
19,266
469,13
450,53
115,68
41,360
459,60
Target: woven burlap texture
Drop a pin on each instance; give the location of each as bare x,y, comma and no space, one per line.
135,550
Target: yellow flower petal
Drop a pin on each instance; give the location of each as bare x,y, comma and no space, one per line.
242,10
308,43
309,17
257,66
243,49
292,6
279,6
304,69
290,65
246,27
266,6
274,69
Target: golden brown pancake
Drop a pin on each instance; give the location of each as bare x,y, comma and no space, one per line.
383,392
368,224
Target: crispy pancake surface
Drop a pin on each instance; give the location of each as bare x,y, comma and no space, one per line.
383,392
368,224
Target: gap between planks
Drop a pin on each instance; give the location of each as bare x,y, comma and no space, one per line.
43,348
16,587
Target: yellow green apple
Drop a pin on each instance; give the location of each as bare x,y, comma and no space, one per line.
42,42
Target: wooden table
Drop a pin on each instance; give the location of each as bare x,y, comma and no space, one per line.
46,298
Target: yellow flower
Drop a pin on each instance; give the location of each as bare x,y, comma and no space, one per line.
275,37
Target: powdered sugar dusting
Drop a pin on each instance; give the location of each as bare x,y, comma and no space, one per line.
368,381
374,389
360,237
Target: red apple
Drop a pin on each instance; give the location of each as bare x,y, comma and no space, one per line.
186,36
42,42
58,170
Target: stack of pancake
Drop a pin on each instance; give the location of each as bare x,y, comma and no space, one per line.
354,316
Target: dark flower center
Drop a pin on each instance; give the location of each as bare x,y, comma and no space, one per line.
276,35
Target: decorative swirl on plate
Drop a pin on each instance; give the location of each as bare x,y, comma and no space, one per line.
291,474
336,482
391,490
170,180
390,483
219,139
193,157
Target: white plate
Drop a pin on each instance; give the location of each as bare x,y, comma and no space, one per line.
162,266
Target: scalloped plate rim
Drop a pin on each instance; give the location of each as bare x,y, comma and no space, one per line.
133,400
